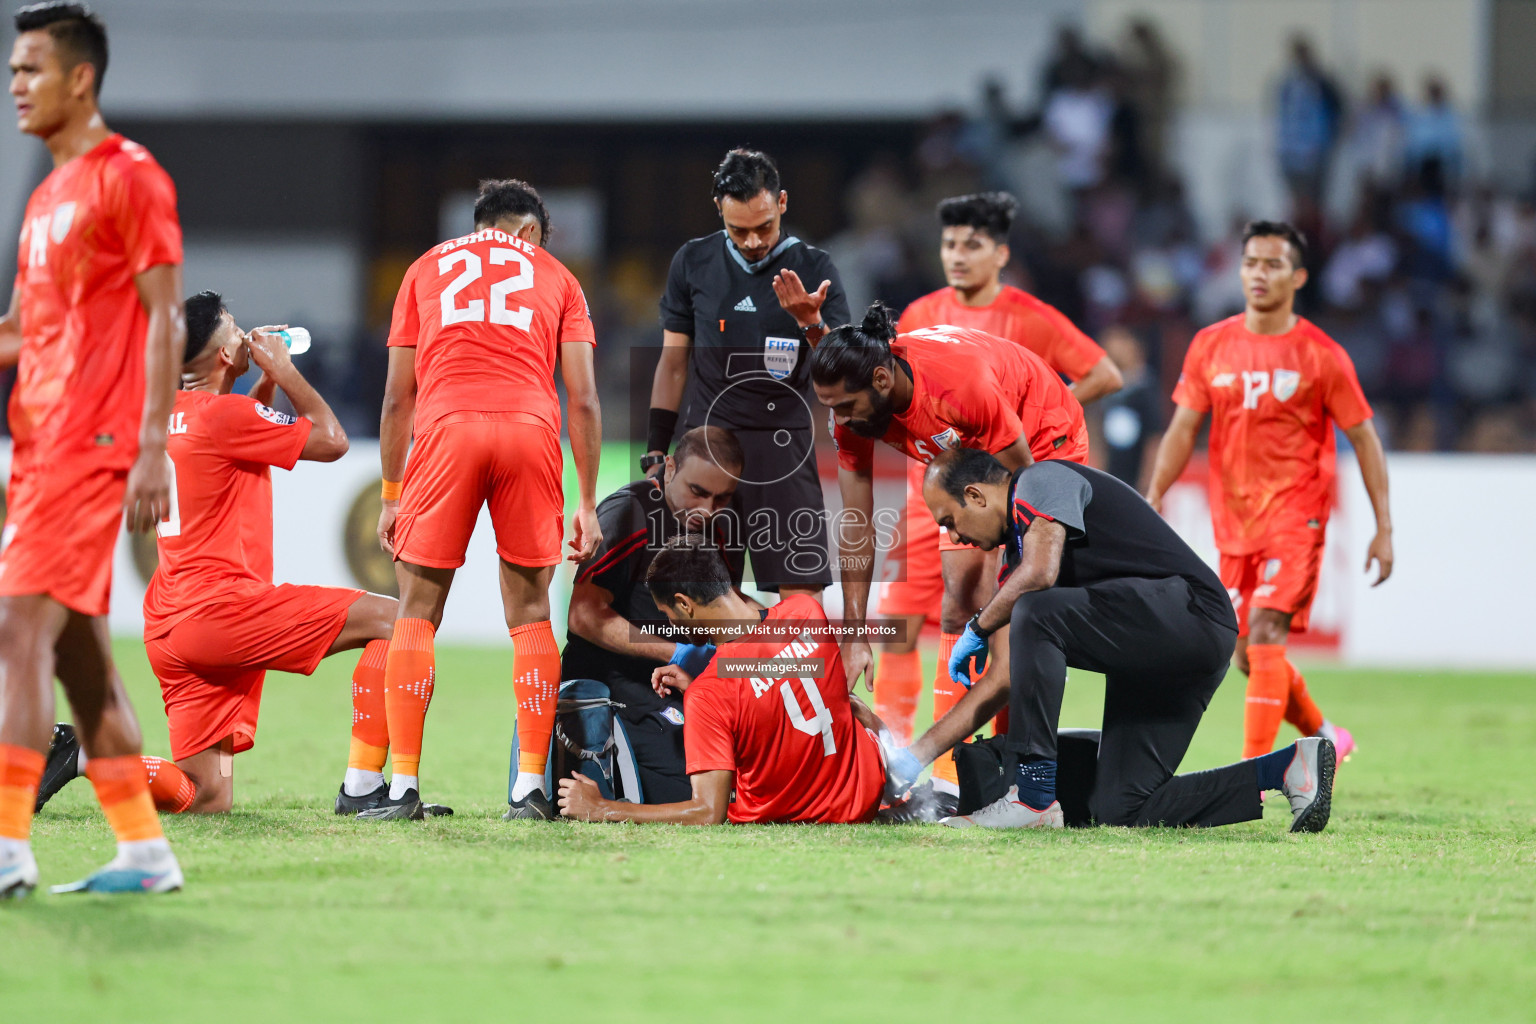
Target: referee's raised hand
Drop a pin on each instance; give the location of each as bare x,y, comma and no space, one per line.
804,306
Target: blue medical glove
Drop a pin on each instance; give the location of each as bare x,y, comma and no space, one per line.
970,645
692,658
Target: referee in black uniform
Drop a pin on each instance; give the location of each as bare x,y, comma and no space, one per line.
1096,580
737,325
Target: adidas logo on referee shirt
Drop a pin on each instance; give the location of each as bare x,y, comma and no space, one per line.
745,306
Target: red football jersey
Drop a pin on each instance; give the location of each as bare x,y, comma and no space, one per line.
1016,315
973,390
92,226
217,544
1273,400
796,749
487,314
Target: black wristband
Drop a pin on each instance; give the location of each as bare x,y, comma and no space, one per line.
975,625
658,435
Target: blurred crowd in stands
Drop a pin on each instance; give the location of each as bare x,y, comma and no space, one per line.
1426,275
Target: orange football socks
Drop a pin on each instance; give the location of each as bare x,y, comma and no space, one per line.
370,727
21,771
169,787
536,684
409,674
898,684
946,694
1269,687
1300,709
122,787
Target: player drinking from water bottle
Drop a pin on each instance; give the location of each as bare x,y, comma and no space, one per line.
214,623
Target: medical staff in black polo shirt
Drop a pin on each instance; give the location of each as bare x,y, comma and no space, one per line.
741,311
1096,580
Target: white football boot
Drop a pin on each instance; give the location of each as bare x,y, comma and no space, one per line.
1308,784
1007,812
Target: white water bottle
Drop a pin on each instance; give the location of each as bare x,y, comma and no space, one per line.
297,340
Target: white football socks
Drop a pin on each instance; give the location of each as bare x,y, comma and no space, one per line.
526,783
144,854
13,850
361,782
399,784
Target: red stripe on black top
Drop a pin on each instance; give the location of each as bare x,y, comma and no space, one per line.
623,549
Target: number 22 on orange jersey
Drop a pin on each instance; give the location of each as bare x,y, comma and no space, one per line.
473,311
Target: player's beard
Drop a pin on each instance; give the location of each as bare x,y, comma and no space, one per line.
880,418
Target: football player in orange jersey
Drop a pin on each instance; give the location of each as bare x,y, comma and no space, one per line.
922,393
95,322
1274,386
479,326
214,622
974,251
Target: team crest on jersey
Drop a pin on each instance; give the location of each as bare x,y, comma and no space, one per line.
780,356
1223,380
948,439
1284,383
63,218
1271,569
672,715
271,415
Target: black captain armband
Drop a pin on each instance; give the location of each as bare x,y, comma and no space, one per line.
659,429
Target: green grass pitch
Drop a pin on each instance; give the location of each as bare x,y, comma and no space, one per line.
1416,904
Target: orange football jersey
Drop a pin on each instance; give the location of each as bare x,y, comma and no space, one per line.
217,544
487,314
1273,400
1016,315
971,389
90,228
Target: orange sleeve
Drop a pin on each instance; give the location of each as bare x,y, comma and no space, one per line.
708,745
854,452
1058,341
144,213
576,318
1342,396
244,430
405,322
1193,389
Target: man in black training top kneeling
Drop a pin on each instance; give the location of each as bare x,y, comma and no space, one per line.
1095,579
610,605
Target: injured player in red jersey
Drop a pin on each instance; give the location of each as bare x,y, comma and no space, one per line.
770,717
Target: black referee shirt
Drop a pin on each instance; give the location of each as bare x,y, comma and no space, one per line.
636,523
1112,533
746,348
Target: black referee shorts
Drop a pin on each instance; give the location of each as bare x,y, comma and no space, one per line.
779,511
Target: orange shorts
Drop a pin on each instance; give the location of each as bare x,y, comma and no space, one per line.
915,581
1281,576
474,459
60,531
211,666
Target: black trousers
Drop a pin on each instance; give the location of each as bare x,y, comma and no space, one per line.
1162,659
658,747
